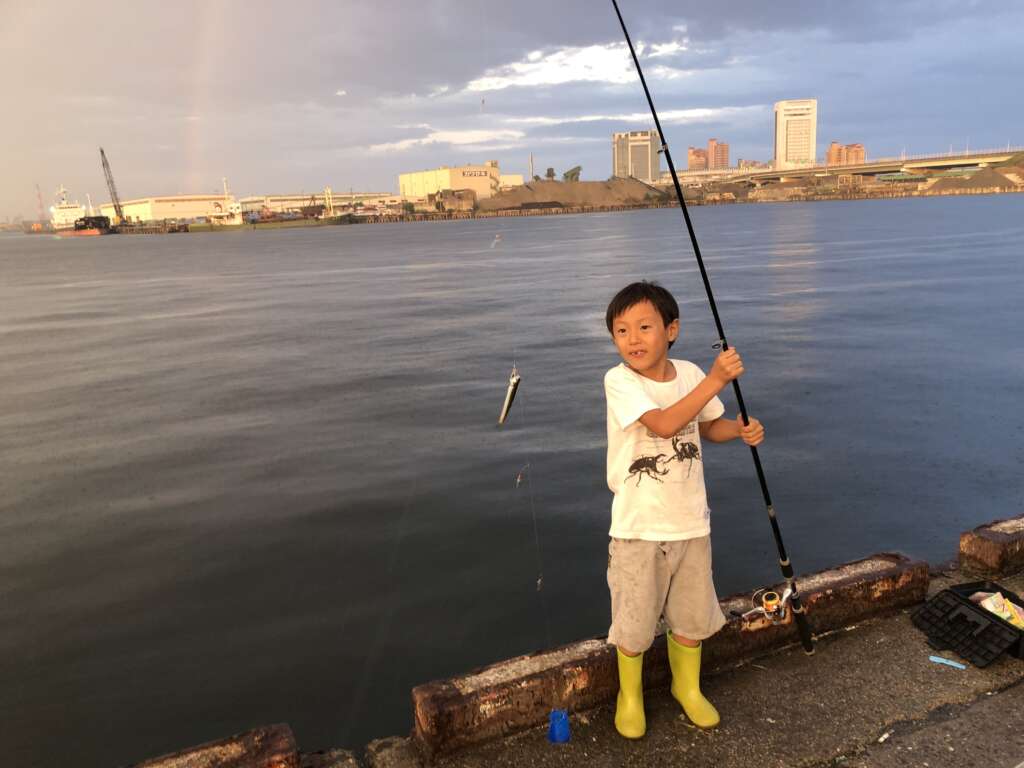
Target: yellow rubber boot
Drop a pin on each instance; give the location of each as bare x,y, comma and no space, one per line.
685,664
629,707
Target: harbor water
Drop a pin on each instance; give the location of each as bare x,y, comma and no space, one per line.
256,477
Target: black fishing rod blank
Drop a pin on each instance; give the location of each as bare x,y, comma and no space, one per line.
787,567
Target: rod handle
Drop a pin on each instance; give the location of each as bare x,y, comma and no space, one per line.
806,640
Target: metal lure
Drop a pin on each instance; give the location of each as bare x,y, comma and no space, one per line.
510,394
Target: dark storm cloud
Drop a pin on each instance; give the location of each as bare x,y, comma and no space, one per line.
294,97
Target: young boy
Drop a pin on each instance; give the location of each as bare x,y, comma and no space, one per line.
659,558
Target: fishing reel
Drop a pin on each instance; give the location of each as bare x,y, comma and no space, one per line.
772,608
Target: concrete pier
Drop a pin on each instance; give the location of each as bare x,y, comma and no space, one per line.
997,547
515,694
869,697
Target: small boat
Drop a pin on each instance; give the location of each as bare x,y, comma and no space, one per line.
37,228
87,226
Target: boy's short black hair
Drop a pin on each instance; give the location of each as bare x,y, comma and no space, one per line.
634,293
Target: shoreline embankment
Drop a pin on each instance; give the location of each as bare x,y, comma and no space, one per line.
872,676
699,202
713,199
664,199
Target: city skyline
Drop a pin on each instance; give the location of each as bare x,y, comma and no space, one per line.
352,96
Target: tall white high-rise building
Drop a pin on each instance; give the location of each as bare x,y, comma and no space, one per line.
635,153
796,133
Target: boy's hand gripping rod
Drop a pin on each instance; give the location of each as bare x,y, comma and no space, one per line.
787,567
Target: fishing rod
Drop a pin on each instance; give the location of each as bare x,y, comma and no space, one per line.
787,567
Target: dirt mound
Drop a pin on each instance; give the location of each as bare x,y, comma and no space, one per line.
574,194
739,190
986,178
1014,173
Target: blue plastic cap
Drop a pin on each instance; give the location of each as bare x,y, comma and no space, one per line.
558,728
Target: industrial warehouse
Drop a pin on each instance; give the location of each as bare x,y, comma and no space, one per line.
221,208
328,200
483,180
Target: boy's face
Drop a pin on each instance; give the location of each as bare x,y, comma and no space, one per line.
642,338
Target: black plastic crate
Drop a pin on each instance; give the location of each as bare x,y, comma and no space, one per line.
953,622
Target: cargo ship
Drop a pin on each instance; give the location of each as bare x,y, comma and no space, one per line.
63,214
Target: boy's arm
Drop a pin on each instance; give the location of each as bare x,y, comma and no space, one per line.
720,430
665,422
723,430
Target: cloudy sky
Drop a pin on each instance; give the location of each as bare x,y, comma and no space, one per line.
290,97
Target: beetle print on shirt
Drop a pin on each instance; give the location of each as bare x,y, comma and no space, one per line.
656,465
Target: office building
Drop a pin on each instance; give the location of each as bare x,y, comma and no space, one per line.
635,154
844,154
718,154
696,159
796,126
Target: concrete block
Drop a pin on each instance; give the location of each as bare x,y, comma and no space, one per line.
519,693
269,746
995,548
393,752
329,758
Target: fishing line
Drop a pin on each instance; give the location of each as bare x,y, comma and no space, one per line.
784,563
525,474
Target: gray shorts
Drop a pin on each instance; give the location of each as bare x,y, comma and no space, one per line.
648,579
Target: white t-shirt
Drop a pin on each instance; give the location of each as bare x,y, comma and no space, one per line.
658,483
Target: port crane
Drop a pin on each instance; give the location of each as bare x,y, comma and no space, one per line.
42,209
118,212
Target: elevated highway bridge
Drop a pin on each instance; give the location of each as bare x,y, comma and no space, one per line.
904,164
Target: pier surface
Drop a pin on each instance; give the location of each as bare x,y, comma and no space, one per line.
869,696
